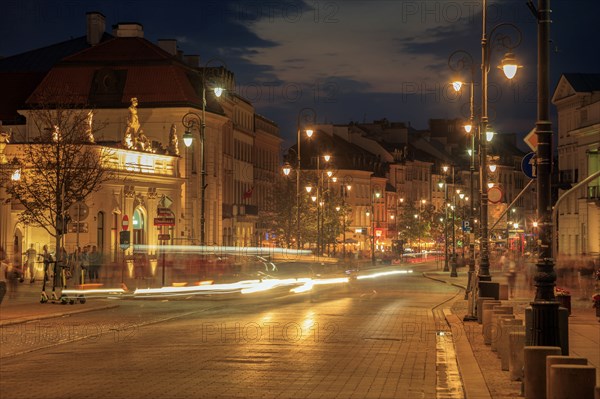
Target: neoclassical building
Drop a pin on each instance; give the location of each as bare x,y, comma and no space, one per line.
577,99
144,96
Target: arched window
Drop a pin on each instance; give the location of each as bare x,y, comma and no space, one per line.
138,227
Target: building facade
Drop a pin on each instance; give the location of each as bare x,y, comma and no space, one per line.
577,99
143,98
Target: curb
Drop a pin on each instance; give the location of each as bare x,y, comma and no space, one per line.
474,383
25,319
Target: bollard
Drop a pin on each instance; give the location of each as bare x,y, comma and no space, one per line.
563,325
572,381
516,345
495,329
488,316
480,302
503,292
506,327
534,362
489,288
552,360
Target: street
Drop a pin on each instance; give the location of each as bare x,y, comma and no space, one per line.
380,337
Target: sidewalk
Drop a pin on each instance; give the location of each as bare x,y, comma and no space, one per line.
479,366
24,305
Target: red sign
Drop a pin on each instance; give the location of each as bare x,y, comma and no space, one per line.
532,140
164,221
125,223
378,232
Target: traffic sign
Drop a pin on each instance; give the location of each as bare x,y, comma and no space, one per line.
164,212
164,221
124,239
466,226
495,194
531,140
79,211
529,165
125,223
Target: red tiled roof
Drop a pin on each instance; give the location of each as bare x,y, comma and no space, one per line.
125,49
150,73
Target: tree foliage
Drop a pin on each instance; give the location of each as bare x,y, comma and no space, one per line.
61,163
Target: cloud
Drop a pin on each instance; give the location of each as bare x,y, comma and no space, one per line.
381,44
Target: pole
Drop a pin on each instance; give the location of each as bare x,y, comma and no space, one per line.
446,268
298,188
484,262
453,260
471,216
372,230
203,163
545,326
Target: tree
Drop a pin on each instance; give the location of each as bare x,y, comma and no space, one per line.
61,163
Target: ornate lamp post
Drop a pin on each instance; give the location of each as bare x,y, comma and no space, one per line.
345,188
9,171
442,184
374,198
458,61
190,121
509,67
306,118
545,329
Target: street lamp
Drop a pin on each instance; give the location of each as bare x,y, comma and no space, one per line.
545,326
509,67
374,198
344,191
442,184
453,207
10,171
458,61
193,120
306,118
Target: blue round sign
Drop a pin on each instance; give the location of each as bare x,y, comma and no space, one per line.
529,165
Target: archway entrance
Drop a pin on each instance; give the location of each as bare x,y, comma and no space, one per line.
139,224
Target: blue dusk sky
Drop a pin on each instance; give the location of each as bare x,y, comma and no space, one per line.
349,60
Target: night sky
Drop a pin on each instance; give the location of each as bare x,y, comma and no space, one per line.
353,60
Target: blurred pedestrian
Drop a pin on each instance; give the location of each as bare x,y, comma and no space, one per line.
13,275
47,260
511,278
3,274
94,260
31,255
85,264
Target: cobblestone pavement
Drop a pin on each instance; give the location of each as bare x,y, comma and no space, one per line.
379,342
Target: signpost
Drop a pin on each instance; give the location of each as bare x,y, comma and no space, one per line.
529,165
125,223
165,217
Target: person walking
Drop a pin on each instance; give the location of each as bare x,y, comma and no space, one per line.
85,265
31,255
94,264
3,273
47,259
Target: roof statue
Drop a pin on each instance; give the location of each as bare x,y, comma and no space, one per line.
173,141
88,131
133,125
142,142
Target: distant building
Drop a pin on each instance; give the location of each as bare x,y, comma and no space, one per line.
577,99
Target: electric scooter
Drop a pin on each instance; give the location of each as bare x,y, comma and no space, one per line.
63,299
